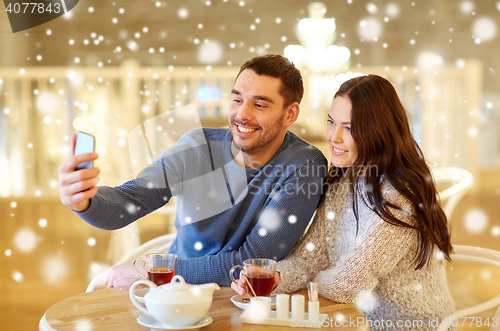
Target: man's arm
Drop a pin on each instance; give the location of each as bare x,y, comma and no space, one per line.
282,222
117,207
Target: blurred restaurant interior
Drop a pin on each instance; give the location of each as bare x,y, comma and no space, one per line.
107,67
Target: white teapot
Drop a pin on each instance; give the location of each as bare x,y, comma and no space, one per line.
176,304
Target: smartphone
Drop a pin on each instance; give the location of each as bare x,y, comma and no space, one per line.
85,143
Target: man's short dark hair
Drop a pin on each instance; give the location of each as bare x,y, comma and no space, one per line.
278,66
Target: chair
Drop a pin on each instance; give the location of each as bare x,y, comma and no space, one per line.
157,245
461,182
480,255
125,240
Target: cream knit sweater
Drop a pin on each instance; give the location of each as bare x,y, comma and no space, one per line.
372,269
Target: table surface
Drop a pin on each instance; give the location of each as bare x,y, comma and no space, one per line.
111,309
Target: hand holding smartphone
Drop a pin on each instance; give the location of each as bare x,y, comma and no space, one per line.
85,143
76,187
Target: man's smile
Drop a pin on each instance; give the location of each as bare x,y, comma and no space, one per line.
245,129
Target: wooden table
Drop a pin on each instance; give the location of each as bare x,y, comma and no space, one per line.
111,309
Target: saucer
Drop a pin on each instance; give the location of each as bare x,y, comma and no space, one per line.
139,294
150,322
243,301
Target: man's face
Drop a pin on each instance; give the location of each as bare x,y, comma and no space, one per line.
256,113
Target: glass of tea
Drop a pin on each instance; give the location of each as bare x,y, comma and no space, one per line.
260,275
159,266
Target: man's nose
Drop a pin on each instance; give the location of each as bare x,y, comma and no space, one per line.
245,112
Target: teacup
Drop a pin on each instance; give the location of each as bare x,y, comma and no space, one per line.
260,276
160,267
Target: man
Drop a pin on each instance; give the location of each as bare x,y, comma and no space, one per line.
220,224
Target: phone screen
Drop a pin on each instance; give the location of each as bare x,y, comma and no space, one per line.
85,143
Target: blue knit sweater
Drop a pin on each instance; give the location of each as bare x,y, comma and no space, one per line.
225,213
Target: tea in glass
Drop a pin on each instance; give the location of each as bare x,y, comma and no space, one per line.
160,267
260,275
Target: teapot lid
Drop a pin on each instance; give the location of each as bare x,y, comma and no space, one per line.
190,293
176,284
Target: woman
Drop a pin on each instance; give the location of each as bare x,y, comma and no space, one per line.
379,236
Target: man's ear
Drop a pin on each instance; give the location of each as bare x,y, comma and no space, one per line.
291,114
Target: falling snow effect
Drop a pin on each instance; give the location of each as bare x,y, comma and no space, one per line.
484,28
428,61
84,325
132,45
25,240
210,52
418,288
475,221
486,274
439,255
366,301
131,208
46,102
271,219
392,10
467,7
370,29
183,13
475,29
198,246
330,215
17,276
371,8
54,269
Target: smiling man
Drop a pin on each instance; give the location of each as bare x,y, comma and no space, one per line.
258,118
245,192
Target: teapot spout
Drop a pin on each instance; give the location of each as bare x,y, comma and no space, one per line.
204,289
210,286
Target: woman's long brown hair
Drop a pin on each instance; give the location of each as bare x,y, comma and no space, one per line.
384,142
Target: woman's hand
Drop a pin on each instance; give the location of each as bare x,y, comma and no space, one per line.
241,286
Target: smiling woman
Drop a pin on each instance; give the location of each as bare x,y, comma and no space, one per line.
338,133
375,230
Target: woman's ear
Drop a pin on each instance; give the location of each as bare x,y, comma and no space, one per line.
291,114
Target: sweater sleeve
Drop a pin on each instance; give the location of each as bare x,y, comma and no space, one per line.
380,249
116,207
282,222
307,258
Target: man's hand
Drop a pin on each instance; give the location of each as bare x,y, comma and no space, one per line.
122,275
77,187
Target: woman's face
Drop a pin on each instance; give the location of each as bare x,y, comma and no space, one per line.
338,133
